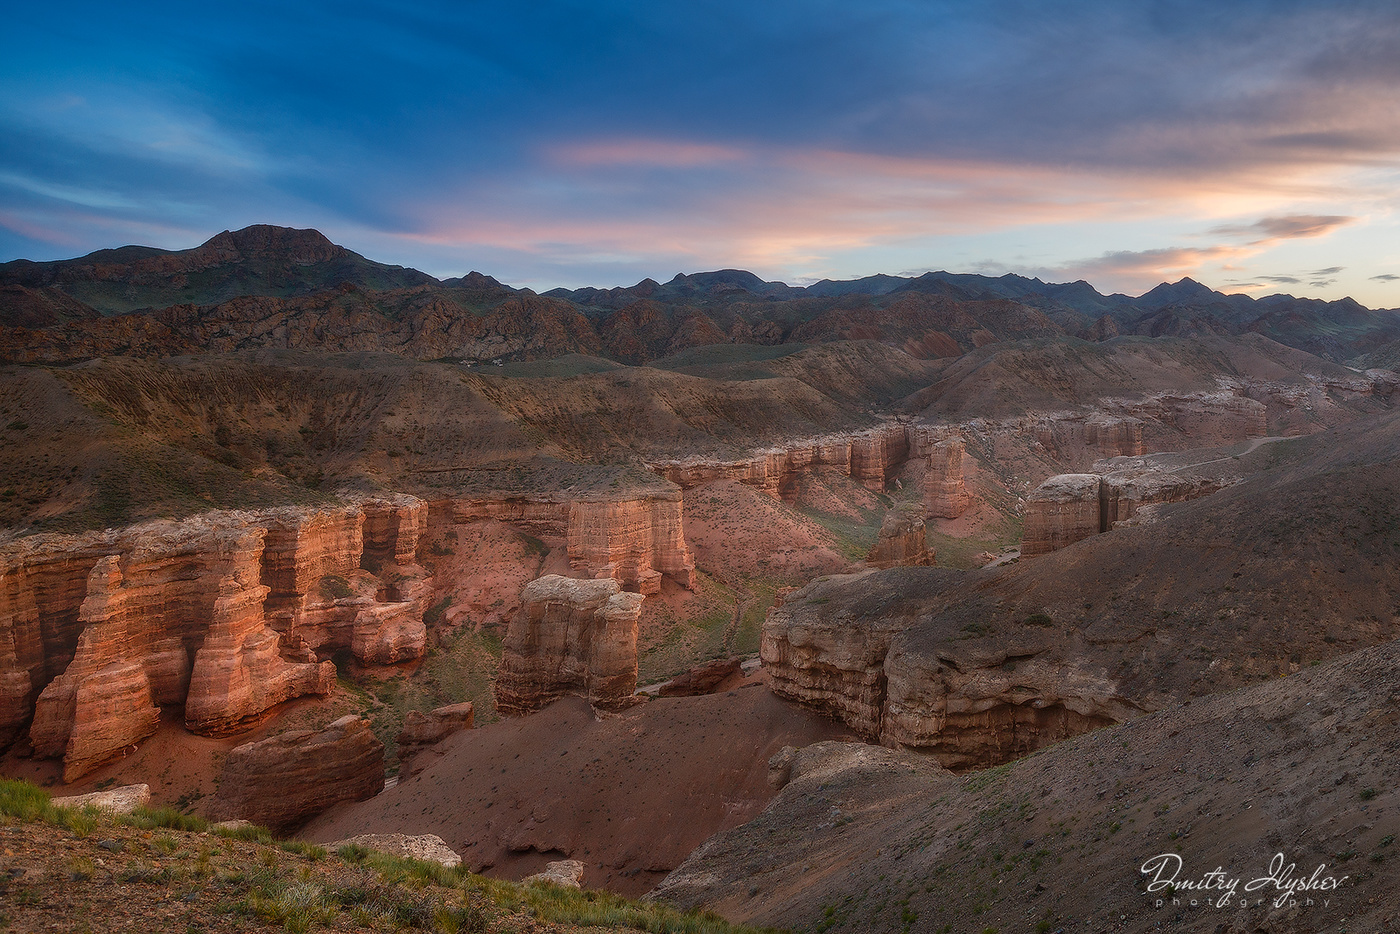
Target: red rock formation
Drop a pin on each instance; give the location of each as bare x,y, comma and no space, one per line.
421,731
945,491
702,679
634,541
873,650
1124,492
102,702
239,672
1060,512
281,781
868,457
903,539
98,630
875,454
571,637
1079,440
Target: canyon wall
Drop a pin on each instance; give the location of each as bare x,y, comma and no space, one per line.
869,457
225,614
634,541
571,637
1070,507
872,650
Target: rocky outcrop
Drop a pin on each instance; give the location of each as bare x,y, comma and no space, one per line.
562,872
1060,512
945,489
1082,439
123,800
428,847
702,679
635,541
281,781
821,659
421,731
873,650
974,703
903,539
1071,507
570,637
869,457
223,614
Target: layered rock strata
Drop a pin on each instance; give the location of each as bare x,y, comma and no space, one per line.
223,614
945,488
633,541
903,539
570,637
1070,507
872,650
1060,512
870,458
281,781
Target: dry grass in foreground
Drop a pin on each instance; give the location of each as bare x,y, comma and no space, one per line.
159,870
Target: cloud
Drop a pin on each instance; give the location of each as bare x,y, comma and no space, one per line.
1269,230
1387,277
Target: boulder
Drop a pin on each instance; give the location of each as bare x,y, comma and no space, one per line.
563,872
281,781
428,847
123,800
702,679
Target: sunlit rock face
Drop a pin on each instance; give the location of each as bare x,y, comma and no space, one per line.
571,637
226,615
634,541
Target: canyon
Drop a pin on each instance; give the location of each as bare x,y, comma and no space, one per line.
677,581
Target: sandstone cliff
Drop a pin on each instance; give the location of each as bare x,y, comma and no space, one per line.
1060,512
1070,507
902,540
872,650
281,781
571,636
223,615
945,489
634,541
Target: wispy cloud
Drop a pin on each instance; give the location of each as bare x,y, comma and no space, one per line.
1268,230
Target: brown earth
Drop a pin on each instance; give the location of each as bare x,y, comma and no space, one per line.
629,794
869,839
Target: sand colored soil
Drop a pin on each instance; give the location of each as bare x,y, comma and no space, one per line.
630,795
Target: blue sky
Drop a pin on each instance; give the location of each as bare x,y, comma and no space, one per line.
1252,145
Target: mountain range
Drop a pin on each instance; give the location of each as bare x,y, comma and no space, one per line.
266,286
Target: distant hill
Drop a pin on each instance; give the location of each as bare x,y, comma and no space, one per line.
275,287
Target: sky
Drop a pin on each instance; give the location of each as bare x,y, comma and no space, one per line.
1253,145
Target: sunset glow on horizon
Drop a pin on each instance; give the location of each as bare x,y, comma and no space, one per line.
1254,146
